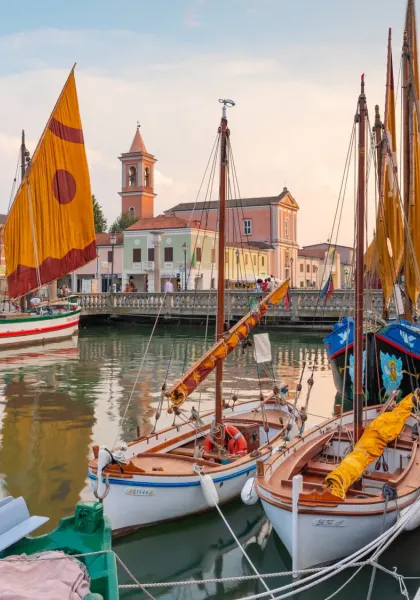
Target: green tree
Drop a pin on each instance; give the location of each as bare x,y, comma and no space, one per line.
122,222
98,216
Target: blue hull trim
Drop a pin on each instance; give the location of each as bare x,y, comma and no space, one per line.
171,485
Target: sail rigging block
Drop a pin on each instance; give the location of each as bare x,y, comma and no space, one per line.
222,348
50,230
383,430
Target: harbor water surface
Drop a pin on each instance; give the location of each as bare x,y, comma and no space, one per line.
57,400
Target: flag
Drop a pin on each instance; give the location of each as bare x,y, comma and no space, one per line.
287,300
328,289
50,230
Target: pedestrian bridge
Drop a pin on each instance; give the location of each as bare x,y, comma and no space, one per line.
306,308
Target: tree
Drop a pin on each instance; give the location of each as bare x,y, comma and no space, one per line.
122,222
98,216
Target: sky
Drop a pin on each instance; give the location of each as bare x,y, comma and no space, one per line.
292,67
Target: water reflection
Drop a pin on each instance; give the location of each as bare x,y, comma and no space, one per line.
201,549
57,399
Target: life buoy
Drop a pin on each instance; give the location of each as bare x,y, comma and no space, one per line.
236,443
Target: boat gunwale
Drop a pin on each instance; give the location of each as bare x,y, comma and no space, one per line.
285,501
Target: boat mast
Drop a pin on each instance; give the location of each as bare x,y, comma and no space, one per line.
23,155
407,152
220,320
360,215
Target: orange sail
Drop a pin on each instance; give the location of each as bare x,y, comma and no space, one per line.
389,226
411,271
50,230
220,350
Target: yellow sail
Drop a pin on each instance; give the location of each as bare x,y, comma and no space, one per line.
411,268
50,230
383,430
385,253
201,369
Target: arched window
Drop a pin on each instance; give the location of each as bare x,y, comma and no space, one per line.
132,176
146,177
131,211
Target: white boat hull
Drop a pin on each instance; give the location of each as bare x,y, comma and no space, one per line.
148,499
325,538
324,535
31,330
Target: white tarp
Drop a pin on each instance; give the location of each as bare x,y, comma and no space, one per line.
262,348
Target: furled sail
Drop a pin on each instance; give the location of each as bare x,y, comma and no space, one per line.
383,430
411,271
385,254
201,369
50,230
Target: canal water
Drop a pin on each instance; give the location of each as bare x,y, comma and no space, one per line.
56,401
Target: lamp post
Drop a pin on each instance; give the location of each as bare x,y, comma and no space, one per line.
291,272
184,247
113,240
237,266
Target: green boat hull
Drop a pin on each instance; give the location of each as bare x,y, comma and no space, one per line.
88,530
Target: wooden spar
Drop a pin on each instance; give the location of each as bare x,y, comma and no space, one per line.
384,153
201,369
220,321
378,139
406,162
358,340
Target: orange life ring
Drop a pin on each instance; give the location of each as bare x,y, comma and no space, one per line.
237,443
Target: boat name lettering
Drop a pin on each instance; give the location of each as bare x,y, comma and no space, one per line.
329,523
139,492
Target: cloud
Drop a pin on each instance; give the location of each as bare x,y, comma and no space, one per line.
288,123
192,19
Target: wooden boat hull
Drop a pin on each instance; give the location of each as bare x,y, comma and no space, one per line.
329,530
146,499
32,330
397,357
391,357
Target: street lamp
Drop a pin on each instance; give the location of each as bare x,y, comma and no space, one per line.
184,247
113,240
237,266
291,272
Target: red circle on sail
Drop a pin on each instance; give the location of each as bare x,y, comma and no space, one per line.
64,186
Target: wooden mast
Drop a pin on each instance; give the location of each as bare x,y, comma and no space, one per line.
220,321
22,157
406,161
360,212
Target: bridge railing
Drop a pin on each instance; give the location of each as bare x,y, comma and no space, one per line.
304,303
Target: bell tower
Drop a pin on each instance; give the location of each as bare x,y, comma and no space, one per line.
137,188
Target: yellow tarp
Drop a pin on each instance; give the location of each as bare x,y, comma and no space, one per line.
50,225
383,430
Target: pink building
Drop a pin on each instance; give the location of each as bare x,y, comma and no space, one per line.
107,269
268,220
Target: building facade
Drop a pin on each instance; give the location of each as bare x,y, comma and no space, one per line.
106,272
340,260
186,255
268,220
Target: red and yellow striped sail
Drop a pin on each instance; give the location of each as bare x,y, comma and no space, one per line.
221,349
50,225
